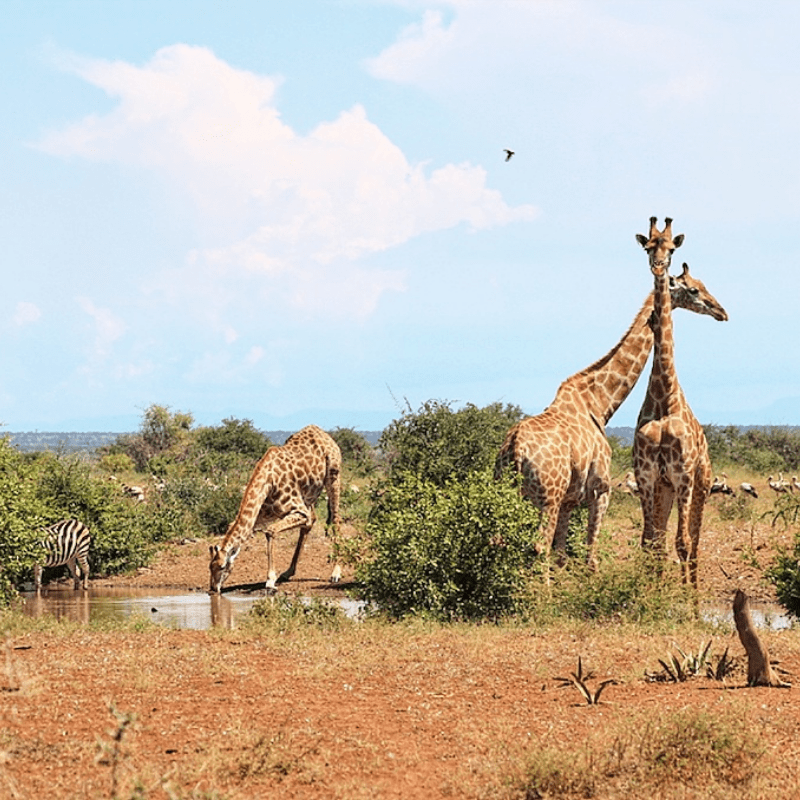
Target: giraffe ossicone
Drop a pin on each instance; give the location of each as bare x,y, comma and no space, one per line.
280,496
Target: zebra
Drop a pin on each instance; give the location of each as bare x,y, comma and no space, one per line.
66,542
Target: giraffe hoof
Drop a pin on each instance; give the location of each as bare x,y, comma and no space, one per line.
336,576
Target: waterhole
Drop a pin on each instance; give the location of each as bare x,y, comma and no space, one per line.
199,611
192,610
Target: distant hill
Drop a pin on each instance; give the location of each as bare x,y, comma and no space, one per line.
77,442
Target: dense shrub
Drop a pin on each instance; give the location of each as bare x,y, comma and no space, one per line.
124,532
22,517
358,455
622,591
757,449
233,439
163,437
461,550
439,444
784,573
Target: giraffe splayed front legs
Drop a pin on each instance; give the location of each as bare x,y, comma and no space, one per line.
281,494
670,452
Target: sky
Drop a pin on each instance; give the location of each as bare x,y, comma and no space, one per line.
302,212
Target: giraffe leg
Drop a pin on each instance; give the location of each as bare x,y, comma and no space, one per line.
696,509
333,487
597,510
289,572
647,502
561,531
297,519
682,544
664,496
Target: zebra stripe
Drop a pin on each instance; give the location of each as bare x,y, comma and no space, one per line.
66,542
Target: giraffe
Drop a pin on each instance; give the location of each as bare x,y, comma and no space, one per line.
562,453
280,496
670,452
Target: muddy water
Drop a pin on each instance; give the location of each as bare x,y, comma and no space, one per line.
769,616
194,610
199,611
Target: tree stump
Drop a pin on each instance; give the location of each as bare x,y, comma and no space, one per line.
759,670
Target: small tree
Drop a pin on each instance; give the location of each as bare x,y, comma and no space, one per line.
22,517
357,453
439,444
461,550
234,437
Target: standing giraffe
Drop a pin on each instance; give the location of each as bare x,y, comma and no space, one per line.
670,452
562,453
280,496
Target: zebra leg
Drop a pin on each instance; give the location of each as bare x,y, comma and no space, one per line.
37,576
73,570
84,565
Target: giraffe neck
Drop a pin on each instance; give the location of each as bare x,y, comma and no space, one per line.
605,384
254,495
663,389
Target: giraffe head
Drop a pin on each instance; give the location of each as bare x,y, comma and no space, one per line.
220,566
660,245
690,293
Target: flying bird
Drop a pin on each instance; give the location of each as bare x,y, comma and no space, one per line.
508,153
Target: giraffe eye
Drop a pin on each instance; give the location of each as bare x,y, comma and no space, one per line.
694,291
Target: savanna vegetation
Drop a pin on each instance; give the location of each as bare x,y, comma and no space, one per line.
436,535
484,674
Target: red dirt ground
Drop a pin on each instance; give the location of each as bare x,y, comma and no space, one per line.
374,712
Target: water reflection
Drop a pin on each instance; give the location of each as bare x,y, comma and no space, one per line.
192,610
768,616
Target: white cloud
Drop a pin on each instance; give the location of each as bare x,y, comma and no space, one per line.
108,327
502,46
25,313
272,202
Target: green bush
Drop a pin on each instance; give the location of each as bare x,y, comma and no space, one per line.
757,449
22,517
358,455
124,532
234,438
632,591
463,550
439,444
784,574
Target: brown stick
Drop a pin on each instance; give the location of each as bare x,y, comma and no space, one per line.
759,671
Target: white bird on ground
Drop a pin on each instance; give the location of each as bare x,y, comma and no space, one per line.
720,486
629,485
748,488
779,487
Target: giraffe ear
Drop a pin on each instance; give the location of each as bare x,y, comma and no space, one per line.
678,240
642,239
232,556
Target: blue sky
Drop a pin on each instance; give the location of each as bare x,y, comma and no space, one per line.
301,212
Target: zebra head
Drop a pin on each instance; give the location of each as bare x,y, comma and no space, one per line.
220,566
